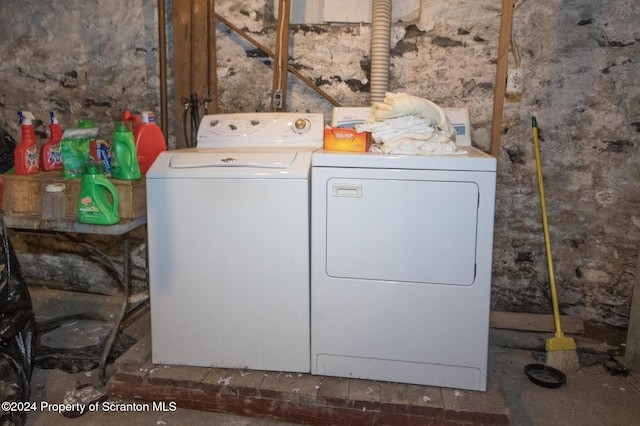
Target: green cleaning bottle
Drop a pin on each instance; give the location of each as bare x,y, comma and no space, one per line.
124,165
98,202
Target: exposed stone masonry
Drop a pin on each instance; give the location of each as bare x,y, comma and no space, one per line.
581,65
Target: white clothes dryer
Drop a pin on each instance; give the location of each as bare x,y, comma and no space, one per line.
228,230
401,266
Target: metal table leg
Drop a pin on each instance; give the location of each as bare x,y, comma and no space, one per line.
125,280
124,277
115,331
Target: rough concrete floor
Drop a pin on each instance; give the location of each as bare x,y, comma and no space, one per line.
597,394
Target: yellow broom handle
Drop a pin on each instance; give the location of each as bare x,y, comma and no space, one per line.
545,225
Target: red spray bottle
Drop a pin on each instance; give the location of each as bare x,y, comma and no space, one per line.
51,158
26,156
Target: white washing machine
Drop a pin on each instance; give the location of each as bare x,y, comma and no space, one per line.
228,230
401,266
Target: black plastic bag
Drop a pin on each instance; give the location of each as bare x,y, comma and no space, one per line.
17,333
7,146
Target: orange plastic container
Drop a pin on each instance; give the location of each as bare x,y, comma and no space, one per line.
149,139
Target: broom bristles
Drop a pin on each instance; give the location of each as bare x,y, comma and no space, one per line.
562,354
566,361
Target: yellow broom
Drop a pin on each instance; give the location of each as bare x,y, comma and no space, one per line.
561,350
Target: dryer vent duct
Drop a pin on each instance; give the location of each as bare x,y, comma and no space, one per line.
380,47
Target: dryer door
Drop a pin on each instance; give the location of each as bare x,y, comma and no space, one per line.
406,230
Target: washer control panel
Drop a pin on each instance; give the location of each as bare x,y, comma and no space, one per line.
261,130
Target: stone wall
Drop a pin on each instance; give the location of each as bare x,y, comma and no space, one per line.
580,61
79,59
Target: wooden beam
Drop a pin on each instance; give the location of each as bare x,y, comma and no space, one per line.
269,53
162,41
181,11
212,68
279,92
199,48
193,62
500,87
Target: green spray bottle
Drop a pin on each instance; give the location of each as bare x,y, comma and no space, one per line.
98,202
124,162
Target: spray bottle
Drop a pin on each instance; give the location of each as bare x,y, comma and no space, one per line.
124,163
148,137
26,155
51,152
98,202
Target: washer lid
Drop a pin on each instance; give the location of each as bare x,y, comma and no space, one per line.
193,160
231,164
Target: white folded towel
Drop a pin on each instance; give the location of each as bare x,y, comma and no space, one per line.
401,104
407,145
384,130
405,124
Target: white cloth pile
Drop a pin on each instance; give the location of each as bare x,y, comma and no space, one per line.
405,124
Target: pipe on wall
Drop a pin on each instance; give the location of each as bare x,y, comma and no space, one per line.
380,47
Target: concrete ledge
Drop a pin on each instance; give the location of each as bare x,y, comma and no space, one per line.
535,322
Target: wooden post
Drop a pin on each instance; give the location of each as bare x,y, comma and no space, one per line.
279,93
500,86
192,59
212,73
162,41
